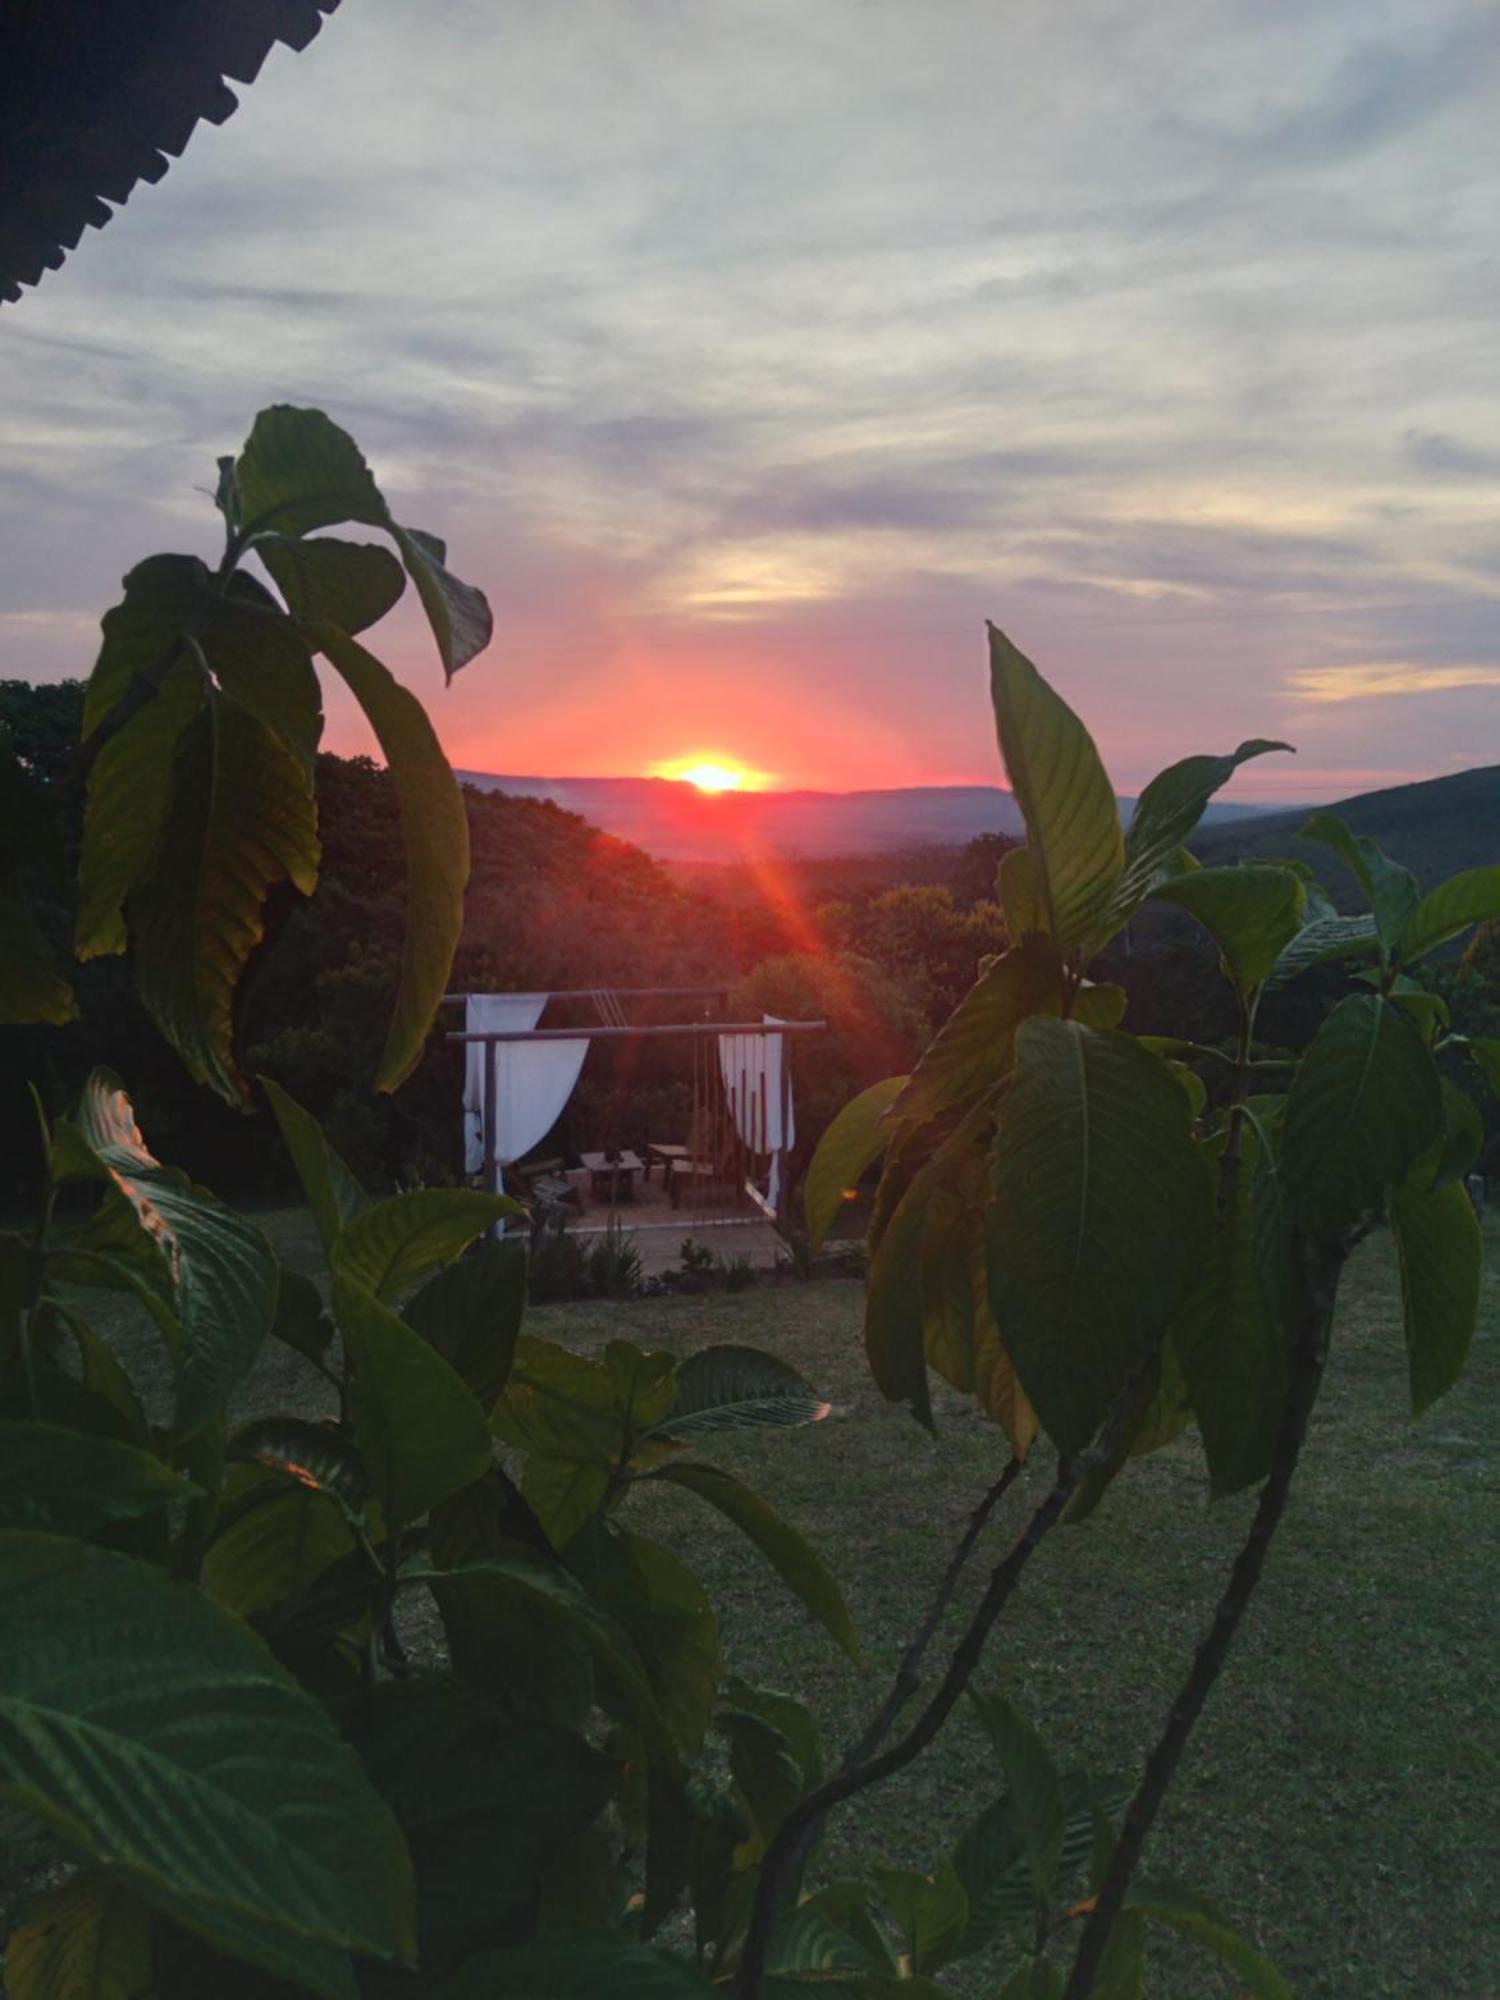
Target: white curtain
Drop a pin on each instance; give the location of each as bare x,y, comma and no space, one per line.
533,1080
751,1066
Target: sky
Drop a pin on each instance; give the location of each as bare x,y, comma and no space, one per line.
750,353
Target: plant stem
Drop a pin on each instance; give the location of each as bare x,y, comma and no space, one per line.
909,1672
1325,1265
808,1814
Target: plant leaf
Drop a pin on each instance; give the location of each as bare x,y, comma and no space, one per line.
1323,939
1023,894
420,1432
1441,1255
159,1736
1252,913
732,1388
793,1558
1390,889
472,1313
298,471
1063,791
1364,1107
856,1137
70,1484
315,1455
31,986
578,1965
224,1276
91,1938
333,1194
129,799
262,663
458,613
1472,897
1032,1784
242,820
389,1247
435,833
1166,815
276,1547
1192,1917
348,584
1100,1203
932,1911
654,1597
972,1050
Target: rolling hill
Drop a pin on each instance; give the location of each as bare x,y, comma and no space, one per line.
676,822
1434,827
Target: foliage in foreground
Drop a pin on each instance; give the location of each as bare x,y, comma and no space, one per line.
216,1685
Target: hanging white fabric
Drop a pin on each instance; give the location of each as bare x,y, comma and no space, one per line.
752,1068
533,1080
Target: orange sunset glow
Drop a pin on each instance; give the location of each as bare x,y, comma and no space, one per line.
711,774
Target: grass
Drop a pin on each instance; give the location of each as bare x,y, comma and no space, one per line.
1340,1799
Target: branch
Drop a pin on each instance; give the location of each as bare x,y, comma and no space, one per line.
909,1673
1308,1355
807,1815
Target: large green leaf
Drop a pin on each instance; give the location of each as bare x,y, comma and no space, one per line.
1441,1255
1167,813
932,1911
732,1388
1227,1342
88,1940
261,661
1100,1203
1470,898
129,799
158,1735
275,1548
242,820
348,584
895,1328
972,1050
959,1335
858,1136
1365,1105
1252,913
1190,1916
318,1455
1023,894
992,1864
485,1803
1322,940
166,599
1063,791
458,612
1390,889
563,1612
388,1248
420,1431
75,1485
1032,1785
653,1595
472,1312
223,1273
793,1558
31,986
333,1194
298,471
435,832
578,1965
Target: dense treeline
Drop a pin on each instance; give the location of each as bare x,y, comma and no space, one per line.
882,948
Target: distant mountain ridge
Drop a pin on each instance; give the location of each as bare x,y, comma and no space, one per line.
676,822
1435,827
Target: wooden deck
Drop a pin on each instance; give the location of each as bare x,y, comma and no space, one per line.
657,1229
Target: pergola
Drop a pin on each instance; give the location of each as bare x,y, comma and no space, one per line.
773,1123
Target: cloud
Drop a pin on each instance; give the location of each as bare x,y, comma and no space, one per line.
1386,677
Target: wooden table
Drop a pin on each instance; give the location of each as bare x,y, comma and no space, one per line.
612,1180
670,1157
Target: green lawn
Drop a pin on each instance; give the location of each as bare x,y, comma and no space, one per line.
1342,1797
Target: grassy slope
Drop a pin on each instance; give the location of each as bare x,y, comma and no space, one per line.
1341,1798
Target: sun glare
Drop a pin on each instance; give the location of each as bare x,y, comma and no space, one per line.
709,774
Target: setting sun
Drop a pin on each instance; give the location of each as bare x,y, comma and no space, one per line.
709,774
